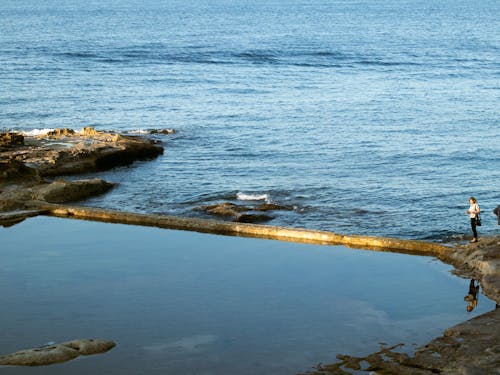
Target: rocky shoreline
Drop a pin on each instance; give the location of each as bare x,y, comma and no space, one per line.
29,164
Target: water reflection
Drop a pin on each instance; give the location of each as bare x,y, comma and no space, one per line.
471,297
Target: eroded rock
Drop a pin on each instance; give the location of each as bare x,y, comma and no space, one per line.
62,191
8,140
241,213
64,152
57,353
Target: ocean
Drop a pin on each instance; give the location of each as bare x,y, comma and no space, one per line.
368,117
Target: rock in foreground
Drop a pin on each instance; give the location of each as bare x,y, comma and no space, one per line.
58,353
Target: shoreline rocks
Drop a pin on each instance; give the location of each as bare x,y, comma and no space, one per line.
26,162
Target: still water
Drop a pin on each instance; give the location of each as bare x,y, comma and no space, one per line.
187,303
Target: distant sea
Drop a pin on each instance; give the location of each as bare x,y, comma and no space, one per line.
369,117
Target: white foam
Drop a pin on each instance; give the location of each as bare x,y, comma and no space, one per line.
138,131
252,197
36,132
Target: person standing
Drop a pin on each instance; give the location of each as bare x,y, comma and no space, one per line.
473,213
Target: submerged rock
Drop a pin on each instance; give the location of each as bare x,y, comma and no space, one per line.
253,218
242,214
58,353
162,131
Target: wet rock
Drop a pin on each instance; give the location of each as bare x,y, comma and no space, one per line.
90,346
162,131
57,353
8,219
13,197
253,218
89,131
62,191
13,170
272,207
225,209
60,132
240,213
8,140
83,152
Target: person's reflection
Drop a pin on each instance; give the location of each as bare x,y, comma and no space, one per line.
471,298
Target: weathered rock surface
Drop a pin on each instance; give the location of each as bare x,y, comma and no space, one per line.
15,197
62,191
8,140
64,152
240,213
8,219
57,353
162,131
28,160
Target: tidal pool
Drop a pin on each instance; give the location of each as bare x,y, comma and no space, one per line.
188,303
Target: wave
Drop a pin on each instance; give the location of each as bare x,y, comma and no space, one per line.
165,54
252,197
36,132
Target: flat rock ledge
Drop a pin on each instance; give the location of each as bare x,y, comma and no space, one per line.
57,353
65,152
28,163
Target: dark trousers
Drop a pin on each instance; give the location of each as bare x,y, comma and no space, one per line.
473,226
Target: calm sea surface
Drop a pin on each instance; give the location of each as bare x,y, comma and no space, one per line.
370,117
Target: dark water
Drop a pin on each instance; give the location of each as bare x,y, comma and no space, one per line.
188,303
368,117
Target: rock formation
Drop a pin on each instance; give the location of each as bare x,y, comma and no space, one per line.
26,161
241,213
8,140
58,353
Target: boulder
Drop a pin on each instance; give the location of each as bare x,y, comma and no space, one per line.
242,214
162,131
62,191
58,353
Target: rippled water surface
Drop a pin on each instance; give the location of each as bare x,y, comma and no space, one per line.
187,303
367,117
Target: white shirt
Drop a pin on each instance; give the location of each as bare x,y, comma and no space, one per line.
474,210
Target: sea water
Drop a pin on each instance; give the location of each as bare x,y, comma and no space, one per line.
188,303
369,117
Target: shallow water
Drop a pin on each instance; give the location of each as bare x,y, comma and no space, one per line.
188,303
376,118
